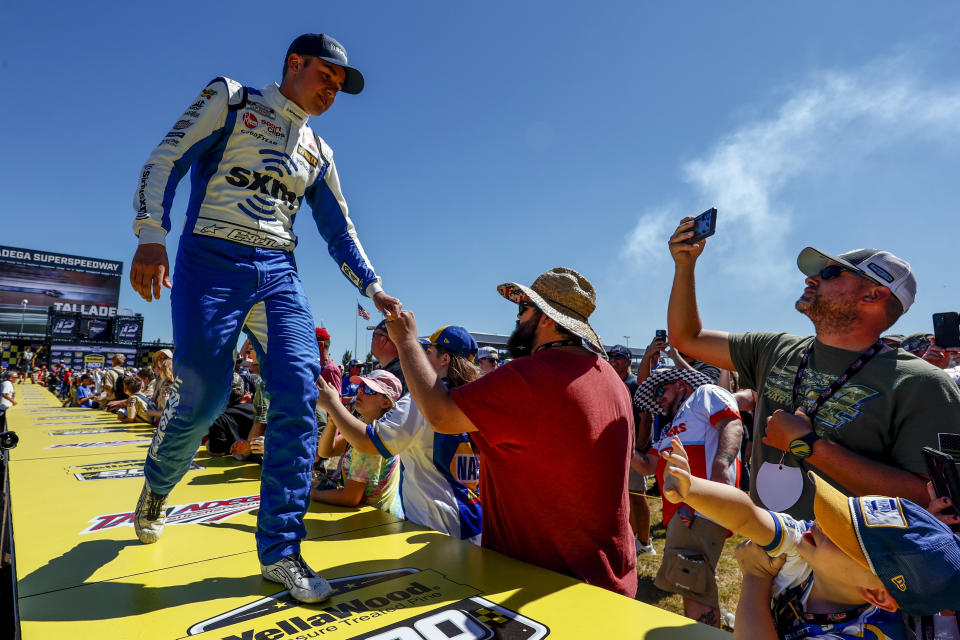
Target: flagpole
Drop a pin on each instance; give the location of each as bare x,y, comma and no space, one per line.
356,323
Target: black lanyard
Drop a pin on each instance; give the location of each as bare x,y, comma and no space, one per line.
559,343
857,365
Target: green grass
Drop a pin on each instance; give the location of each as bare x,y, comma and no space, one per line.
728,573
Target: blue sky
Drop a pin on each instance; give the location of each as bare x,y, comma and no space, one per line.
496,140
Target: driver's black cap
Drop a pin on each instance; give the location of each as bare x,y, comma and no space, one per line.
322,46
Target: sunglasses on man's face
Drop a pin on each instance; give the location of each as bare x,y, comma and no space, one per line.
660,391
617,356
832,271
523,306
367,390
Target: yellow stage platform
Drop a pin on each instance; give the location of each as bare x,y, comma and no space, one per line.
75,478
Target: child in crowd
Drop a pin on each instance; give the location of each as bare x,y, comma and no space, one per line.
439,473
137,406
86,393
366,479
838,576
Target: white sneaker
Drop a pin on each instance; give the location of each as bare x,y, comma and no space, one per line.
150,515
727,617
645,549
293,573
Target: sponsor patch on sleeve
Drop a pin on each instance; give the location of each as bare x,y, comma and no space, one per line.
347,271
309,157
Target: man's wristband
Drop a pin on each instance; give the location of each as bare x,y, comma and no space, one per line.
802,447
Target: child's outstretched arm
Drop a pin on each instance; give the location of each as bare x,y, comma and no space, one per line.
727,506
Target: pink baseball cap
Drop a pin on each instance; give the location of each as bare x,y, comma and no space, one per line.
381,381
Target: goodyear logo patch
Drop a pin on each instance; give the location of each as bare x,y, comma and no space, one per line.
309,157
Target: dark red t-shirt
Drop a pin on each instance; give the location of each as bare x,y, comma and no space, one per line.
555,432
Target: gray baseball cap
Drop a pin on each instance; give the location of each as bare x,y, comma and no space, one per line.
881,267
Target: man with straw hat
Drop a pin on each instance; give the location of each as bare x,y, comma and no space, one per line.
554,428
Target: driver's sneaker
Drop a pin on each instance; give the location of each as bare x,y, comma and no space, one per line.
293,573
150,515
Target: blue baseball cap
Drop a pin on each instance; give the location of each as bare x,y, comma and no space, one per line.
619,350
455,340
320,45
916,557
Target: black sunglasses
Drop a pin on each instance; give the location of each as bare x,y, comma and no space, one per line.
524,306
832,271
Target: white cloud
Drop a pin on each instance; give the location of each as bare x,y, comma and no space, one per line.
828,124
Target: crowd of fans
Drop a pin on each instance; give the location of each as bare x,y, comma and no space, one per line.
810,447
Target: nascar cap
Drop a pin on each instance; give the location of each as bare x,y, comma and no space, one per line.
455,340
619,350
916,557
322,46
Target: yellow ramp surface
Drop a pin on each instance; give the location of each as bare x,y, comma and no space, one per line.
83,574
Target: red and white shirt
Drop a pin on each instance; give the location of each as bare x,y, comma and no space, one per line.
696,425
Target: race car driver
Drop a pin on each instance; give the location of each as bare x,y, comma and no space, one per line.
254,160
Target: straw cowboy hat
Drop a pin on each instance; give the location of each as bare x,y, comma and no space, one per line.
565,296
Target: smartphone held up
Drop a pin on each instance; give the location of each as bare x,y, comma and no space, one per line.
946,329
704,226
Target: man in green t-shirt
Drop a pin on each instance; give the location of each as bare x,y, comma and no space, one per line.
866,434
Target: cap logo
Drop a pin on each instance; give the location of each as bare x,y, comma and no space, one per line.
882,512
899,582
881,272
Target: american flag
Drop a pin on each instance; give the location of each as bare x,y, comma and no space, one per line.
363,313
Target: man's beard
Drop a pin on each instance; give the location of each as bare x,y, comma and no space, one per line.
520,342
830,317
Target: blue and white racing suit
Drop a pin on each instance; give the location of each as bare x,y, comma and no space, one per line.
253,161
